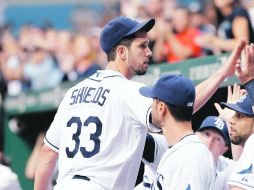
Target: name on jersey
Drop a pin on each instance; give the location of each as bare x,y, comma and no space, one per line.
89,95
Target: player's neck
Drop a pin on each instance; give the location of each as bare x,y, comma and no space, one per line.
116,66
177,131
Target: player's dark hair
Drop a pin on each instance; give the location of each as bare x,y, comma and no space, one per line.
180,113
126,41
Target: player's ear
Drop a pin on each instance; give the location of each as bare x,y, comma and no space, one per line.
162,107
122,52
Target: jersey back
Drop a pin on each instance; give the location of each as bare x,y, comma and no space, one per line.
99,130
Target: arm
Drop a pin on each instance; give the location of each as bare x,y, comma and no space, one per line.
207,88
45,168
159,50
34,156
240,33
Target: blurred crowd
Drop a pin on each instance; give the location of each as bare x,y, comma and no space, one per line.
43,57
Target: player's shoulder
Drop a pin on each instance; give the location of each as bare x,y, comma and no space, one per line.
197,147
250,140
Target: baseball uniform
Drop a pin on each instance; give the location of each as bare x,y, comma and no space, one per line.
151,165
224,168
99,132
187,165
8,179
243,173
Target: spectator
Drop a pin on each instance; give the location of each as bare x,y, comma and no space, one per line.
63,52
177,38
12,63
84,58
233,25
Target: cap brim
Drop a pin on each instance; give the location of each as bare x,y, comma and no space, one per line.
235,107
146,26
146,91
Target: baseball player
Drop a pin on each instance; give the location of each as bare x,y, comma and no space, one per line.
99,130
242,133
213,132
173,113
242,124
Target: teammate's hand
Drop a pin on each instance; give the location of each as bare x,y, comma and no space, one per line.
233,96
228,68
245,68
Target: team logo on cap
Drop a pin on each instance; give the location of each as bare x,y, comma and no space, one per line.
190,104
219,123
242,98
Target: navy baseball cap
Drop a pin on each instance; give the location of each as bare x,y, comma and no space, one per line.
213,122
120,27
173,89
243,106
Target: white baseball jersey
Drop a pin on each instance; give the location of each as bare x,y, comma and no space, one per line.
99,131
224,168
8,179
185,166
150,168
243,173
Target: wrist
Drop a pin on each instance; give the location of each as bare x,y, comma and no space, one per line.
249,86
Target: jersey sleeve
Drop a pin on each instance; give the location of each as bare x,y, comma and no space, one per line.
52,138
159,148
136,107
243,173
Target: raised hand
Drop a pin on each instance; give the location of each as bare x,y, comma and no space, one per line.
233,96
233,60
245,68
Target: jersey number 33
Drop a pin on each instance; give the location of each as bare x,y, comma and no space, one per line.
76,122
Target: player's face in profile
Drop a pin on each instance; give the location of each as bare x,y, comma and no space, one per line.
156,113
241,127
139,54
214,141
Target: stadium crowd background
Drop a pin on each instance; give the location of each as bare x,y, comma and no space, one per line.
45,44
41,52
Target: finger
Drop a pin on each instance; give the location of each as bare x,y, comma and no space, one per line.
234,94
252,57
237,51
229,98
238,96
218,108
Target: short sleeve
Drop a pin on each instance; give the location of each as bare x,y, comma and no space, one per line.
52,138
137,107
